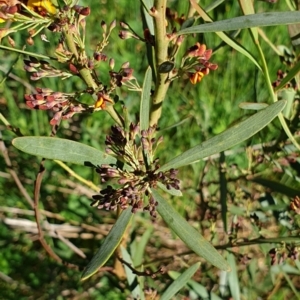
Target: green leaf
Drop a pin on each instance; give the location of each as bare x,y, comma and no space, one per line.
293,72
248,9
289,96
227,139
140,246
233,279
147,4
255,20
253,105
110,244
223,190
145,100
180,282
188,234
197,287
62,149
188,23
172,191
278,182
133,282
202,292
213,4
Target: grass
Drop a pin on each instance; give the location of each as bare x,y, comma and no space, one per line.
207,108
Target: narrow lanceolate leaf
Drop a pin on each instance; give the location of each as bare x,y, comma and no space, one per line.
233,278
249,21
293,73
180,282
278,182
253,105
198,288
147,4
188,234
110,244
248,9
171,191
133,282
62,149
139,251
227,139
145,100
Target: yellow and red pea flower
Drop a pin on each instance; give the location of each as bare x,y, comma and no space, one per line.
198,75
101,101
197,58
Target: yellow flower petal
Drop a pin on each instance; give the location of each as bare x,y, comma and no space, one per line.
41,5
99,103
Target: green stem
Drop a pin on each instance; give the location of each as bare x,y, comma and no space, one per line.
114,114
161,53
75,175
273,95
227,246
86,75
27,53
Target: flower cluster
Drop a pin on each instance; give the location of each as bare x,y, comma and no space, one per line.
123,76
12,7
41,69
279,255
140,173
63,105
291,84
36,15
197,58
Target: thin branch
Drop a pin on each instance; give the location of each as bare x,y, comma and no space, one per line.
74,227
27,53
13,173
48,249
146,273
227,246
81,179
9,280
74,248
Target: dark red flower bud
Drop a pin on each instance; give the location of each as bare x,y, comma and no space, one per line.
73,69
85,11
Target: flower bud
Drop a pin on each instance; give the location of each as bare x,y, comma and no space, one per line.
73,68
30,41
104,26
124,25
11,42
111,63
112,25
85,11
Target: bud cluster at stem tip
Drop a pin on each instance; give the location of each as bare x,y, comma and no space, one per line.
133,182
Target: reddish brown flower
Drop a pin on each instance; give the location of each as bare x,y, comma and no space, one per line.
64,105
200,51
